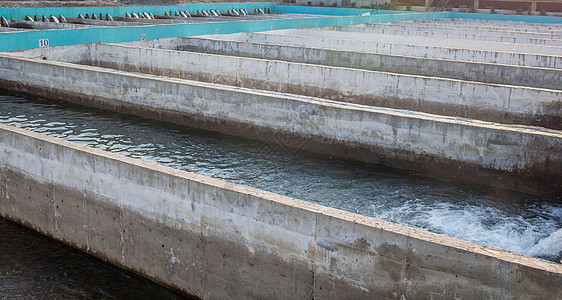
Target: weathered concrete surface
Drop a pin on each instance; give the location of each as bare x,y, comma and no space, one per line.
500,24
318,33
454,69
218,240
452,27
496,103
474,35
526,159
74,53
44,25
462,98
97,22
406,49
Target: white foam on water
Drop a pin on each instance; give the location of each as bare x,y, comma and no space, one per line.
549,247
511,221
537,234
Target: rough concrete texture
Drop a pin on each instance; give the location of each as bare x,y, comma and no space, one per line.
527,159
481,30
74,53
219,240
448,52
469,99
443,41
496,103
535,39
44,25
512,25
463,70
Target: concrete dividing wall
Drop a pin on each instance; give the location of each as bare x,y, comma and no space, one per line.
464,35
74,53
44,25
405,49
31,39
463,70
526,159
511,19
503,22
497,103
106,23
427,41
218,240
452,27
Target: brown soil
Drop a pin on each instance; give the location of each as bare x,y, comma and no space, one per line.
70,3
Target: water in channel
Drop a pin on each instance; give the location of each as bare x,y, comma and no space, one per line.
516,222
33,266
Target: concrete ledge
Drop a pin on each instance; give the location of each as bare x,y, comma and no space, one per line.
512,38
74,53
220,240
44,25
427,41
475,100
528,31
526,159
394,48
454,69
503,22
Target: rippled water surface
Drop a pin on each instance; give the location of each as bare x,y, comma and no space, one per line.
33,266
498,218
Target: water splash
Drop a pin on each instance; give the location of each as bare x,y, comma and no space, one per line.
510,221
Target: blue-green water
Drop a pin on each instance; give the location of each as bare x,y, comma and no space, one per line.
516,222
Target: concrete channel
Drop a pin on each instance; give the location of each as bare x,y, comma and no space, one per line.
450,28
470,149
44,25
505,37
448,112
219,240
449,52
511,25
442,41
467,99
548,78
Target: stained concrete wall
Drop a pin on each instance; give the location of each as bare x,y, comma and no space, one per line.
74,53
218,240
105,23
406,49
521,158
44,25
497,103
319,33
338,84
463,70
452,27
464,35
550,25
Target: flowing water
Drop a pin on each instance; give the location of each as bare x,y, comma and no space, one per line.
516,222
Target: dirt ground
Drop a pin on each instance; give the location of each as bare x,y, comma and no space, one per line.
65,3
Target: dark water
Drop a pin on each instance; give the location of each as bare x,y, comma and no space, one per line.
33,266
507,220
